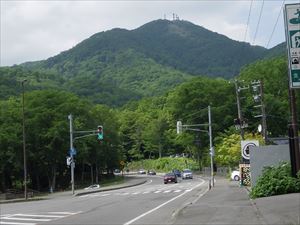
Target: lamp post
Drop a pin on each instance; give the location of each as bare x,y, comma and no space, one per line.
24,143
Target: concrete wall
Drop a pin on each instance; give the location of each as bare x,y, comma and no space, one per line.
262,156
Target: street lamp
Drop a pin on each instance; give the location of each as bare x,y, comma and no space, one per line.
24,144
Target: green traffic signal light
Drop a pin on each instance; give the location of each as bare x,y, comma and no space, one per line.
100,133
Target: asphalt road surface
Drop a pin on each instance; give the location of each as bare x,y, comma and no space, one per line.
150,203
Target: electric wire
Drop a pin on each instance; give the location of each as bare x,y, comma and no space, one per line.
259,19
275,24
248,20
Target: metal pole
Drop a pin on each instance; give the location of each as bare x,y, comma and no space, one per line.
24,143
211,148
294,124
263,112
71,155
240,115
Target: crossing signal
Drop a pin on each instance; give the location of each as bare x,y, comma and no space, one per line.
100,133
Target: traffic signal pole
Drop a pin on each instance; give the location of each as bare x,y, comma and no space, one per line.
87,133
180,127
71,155
211,148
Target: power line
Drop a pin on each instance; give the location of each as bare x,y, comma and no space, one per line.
248,20
275,23
260,14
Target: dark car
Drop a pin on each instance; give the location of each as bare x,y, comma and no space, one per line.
170,178
177,173
151,172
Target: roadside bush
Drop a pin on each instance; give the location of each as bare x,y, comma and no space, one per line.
165,164
276,181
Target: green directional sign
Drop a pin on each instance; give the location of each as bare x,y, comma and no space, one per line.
292,23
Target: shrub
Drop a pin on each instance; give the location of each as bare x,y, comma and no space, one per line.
276,181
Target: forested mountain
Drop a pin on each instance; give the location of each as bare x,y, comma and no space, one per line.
119,65
177,44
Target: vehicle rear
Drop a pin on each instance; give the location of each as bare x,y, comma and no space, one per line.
170,178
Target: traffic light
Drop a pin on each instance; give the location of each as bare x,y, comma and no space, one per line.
100,133
179,127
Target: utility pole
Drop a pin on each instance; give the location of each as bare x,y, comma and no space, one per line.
24,138
259,98
211,148
240,115
71,155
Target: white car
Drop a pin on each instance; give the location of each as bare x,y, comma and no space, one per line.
235,175
94,186
187,173
142,171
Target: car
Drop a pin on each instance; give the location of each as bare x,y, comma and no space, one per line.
187,174
235,175
151,172
116,171
170,178
93,186
142,171
177,172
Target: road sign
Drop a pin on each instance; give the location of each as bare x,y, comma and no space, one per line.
72,152
245,147
292,25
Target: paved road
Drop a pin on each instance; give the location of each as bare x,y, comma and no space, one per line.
150,203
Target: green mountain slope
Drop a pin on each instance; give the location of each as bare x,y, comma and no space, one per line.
119,65
177,44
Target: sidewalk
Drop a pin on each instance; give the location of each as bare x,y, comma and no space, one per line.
227,203
128,182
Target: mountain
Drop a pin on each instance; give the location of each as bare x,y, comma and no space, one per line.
178,44
118,65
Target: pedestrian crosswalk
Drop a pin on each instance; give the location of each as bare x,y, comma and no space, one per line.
156,189
33,218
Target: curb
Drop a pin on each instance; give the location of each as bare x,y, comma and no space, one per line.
110,189
76,194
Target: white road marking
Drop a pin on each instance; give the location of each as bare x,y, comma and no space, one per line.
37,215
158,207
167,191
65,213
157,192
8,218
136,193
26,219
146,192
176,191
15,223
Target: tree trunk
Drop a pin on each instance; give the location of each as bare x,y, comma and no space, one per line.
92,174
96,174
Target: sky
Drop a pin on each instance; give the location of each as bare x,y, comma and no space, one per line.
37,30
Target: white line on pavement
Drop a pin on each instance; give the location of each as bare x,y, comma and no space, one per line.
163,204
15,223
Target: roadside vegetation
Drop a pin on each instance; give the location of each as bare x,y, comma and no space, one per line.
276,180
163,165
142,133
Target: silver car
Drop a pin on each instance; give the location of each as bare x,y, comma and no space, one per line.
187,174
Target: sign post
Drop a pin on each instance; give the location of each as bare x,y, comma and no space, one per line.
292,27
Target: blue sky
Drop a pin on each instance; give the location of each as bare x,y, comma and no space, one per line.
37,30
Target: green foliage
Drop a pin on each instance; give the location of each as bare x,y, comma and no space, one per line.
276,180
228,147
164,164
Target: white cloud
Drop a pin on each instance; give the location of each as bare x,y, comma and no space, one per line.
36,30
